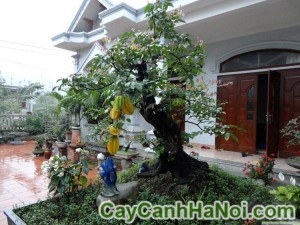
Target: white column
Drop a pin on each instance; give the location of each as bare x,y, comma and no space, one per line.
132,130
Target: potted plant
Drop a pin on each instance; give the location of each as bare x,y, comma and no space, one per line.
291,131
48,148
59,131
38,150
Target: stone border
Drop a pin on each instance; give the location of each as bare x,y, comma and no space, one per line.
12,218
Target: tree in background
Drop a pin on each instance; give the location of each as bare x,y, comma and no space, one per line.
12,97
157,71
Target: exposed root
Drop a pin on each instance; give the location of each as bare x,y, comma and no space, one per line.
185,169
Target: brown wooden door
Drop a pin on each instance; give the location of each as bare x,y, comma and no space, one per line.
239,100
272,115
289,108
264,121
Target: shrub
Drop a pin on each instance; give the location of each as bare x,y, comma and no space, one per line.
262,169
289,194
292,130
78,208
66,176
33,124
220,187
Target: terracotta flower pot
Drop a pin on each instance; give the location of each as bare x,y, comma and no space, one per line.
47,154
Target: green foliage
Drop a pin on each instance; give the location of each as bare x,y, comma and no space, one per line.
44,116
78,208
11,97
53,121
71,101
140,65
76,95
45,104
129,174
73,208
60,127
262,169
224,186
40,140
66,176
33,124
292,131
287,195
221,186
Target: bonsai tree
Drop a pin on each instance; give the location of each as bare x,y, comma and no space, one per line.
292,131
40,142
157,72
61,127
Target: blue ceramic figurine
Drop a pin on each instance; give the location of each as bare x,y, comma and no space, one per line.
107,171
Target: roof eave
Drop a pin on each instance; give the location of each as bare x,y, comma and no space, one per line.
74,41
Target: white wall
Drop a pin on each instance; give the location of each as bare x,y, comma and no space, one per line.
220,51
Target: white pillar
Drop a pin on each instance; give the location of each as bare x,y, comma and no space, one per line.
132,130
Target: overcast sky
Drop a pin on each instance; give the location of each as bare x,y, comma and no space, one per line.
26,50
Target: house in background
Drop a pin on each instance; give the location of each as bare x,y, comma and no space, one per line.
252,48
14,114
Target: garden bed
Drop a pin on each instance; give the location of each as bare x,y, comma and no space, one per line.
80,208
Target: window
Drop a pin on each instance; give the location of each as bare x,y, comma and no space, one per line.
261,59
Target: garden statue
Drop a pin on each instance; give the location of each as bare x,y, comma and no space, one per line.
107,171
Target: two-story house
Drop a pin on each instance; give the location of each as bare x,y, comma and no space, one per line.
252,46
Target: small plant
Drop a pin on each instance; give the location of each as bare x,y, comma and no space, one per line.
262,169
60,129
292,131
33,124
66,176
40,141
289,194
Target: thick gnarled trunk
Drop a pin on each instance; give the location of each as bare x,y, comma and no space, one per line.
173,158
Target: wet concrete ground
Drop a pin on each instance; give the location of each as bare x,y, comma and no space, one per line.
21,178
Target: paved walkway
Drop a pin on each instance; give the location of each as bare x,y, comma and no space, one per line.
21,180
234,161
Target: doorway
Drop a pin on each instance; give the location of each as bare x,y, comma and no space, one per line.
261,132
252,103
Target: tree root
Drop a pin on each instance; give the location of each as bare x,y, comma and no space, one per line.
185,169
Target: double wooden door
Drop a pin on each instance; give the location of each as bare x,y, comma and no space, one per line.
251,101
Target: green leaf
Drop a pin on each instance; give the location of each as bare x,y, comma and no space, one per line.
289,196
83,180
234,137
282,190
227,136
